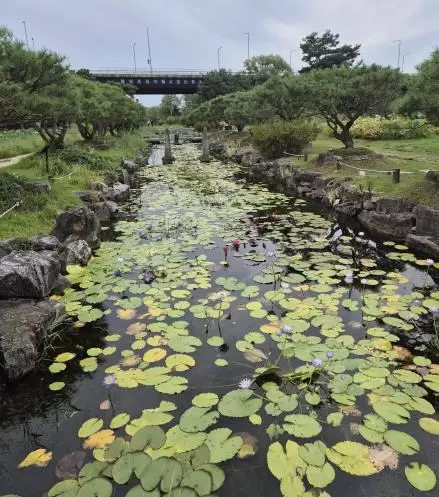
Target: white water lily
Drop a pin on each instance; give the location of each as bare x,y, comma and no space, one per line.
245,383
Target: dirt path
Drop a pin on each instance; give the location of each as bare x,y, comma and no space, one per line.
12,160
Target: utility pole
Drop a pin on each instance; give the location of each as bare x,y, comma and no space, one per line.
149,51
403,60
248,45
134,56
291,63
33,44
399,52
219,57
25,32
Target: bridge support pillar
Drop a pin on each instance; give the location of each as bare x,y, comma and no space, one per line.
205,153
176,139
168,158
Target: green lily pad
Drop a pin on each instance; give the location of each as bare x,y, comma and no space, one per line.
421,476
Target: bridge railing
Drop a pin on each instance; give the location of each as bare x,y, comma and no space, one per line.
145,71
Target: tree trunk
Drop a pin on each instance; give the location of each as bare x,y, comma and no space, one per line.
345,137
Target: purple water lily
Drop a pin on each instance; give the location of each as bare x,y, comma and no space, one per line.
286,329
117,272
109,380
148,277
317,363
271,253
329,355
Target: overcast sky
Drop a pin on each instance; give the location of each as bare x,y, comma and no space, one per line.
185,34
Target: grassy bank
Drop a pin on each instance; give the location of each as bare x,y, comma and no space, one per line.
75,168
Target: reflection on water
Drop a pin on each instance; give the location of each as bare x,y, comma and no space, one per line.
31,416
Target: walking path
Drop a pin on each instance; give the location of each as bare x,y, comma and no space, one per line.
10,161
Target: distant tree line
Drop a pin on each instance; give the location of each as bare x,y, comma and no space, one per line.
38,90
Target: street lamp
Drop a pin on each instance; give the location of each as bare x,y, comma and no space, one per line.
403,60
134,56
25,32
291,52
219,57
149,51
399,52
248,45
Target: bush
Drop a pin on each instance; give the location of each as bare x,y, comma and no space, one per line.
79,154
273,138
392,128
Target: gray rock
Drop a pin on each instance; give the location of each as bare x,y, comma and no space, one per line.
394,205
106,211
427,221
432,176
393,226
45,242
121,192
78,252
23,325
14,244
28,274
305,176
130,166
60,285
78,223
351,209
105,191
424,244
327,159
369,205
37,186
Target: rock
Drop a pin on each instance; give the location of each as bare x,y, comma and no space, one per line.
220,152
305,176
37,186
427,221
60,285
105,191
78,223
78,252
351,209
45,242
24,322
369,205
424,244
28,274
14,244
394,205
121,192
328,159
432,176
105,211
393,226
130,166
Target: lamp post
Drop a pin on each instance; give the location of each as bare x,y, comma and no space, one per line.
149,51
219,57
248,45
403,60
134,56
291,63
399,52
25,33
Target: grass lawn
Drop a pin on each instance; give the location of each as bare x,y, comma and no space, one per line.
413,157
87,164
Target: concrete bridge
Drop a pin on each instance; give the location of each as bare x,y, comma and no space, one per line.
153,83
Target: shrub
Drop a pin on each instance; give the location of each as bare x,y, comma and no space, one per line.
392,128
273,138
79,154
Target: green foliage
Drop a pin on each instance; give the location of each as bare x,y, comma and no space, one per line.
276,137
222,82
325,52
391,128
263,67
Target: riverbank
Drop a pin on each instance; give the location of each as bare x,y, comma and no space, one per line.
73,170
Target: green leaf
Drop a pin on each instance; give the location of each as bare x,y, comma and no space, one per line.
429,425
393,413
90,427
175,384
352,457
283,462
320,477
97,487
138,491
335,418
199,480
221,446
216,473
181,441
302,426
66,488
421,405
56,386
197,419
313,453
401,442
421,476
205,400
371,436
164,471
123,469
239,404
120,420
215,341
375,423
152,436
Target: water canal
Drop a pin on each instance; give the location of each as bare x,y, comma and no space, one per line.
231,341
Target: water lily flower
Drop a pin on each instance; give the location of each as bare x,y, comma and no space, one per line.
120,260
109,380
285,285
361,233
434,310
222,296
279,333
226,249
117,272
148,277
429,262
286,329
245,383
364,281
236,244
317,363
271,253
349,278
329,355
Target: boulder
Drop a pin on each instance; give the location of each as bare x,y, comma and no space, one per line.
105,191
351,209
28,274
130,166
23,325
432,176
78,223
105,211
14,244
45,242
121,192
78,252
424,244
328,159
305,176
391,226
427,221
60,285
394,205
